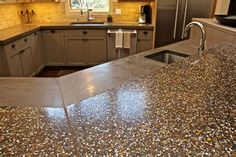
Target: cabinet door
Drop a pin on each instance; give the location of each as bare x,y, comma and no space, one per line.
144,45
96,50
54,47
37,51
27,62
145,40
75,51
15,66
3,71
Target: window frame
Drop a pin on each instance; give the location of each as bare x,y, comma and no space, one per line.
77,11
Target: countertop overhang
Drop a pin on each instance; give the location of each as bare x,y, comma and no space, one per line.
72,88
11,34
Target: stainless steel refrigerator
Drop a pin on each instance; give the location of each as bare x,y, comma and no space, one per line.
174,15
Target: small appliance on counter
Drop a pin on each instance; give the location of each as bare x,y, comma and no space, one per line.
145,14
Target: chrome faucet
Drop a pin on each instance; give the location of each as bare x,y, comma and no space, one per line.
88,15
203,35
89,18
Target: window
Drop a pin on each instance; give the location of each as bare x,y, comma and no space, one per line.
95,5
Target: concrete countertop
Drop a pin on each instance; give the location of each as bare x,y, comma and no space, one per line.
211,22
182,109
83,84
11,34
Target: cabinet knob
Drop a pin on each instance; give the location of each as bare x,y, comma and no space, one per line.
85,32
22,51
36,33
52,31
145,33
13,46
25,39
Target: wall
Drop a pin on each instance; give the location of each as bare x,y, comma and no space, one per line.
56,12
222,7
9,15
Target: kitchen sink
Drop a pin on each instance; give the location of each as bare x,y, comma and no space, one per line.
167,56
86,23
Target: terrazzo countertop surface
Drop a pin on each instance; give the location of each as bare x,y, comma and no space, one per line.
11,34
183,109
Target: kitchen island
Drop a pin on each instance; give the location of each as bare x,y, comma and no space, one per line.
183,109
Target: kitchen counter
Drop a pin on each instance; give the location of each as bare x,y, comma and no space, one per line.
211,22
70,89
10,34
183,109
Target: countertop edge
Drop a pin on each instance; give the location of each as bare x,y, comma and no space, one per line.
213,23
67,27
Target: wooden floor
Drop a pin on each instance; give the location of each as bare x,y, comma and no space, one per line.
58,71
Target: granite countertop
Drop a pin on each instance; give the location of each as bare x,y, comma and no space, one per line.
183,109
10,34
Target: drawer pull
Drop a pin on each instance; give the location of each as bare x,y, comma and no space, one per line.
25,40
85,32
36,33
22,51
13,46
52,31
145,33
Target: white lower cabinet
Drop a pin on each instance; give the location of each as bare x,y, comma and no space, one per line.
96,51
15,66
86,47
53,44
75,51
78,47
145,40
19,58
36,46
26,58
3,67
22,63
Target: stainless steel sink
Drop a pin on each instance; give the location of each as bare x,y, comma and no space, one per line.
167,56
86,23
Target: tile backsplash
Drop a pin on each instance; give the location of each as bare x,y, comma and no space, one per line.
9,15
56,12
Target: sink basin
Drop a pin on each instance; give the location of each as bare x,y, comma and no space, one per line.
86,23
167,56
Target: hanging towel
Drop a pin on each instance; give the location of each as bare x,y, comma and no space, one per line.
127,41
119,39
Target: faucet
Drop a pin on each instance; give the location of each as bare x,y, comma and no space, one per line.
203,34
88,14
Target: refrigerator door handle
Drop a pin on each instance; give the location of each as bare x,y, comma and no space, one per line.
185,16
176,18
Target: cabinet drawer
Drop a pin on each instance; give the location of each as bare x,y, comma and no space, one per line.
15,47
86,33
145,34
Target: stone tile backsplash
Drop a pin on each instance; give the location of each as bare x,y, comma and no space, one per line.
56,12
9,15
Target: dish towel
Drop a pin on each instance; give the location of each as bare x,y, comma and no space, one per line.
119,39
127,41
